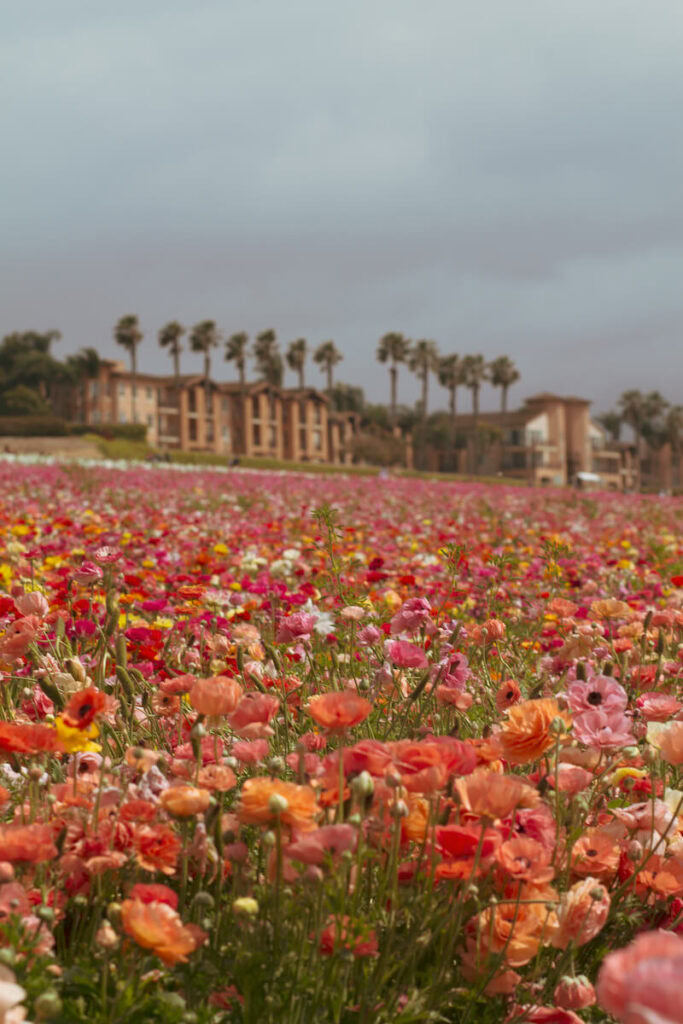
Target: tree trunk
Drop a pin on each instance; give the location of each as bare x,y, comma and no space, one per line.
241,371
207,369
176,366
504,398
329,378
134,382
302,383
393,374
425,389
475,414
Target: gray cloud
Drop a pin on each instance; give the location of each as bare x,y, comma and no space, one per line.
502,177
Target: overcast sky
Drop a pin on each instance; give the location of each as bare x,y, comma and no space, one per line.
503,176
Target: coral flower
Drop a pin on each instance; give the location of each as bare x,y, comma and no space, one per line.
582,914
495,796
253,713
313,847
85,704
663,876
527,733
255,806
596,854
512,929
153,892
507,694
217,778
338,711
19,636
184,801
641,984
17,738
31,843
158,927
525,860
218,695
157,848
610,608
670,743
406,655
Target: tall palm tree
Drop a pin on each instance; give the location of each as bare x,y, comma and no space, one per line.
169,337
296,358
475,371
423,359
450,374
236,352
267,357
128,335
612,422
393,349
86,363
503,374
203,338
327,356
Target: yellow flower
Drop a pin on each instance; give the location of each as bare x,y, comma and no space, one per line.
76,740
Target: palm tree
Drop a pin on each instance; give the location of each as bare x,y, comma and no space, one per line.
267,357
503,374
327,356
393,349
612,422
474,370
169,337
85,366
423,359
236,352
450,373
296,358
128,335
204,337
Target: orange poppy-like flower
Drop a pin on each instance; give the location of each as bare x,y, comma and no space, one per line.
298,803
165,705
414,825
20,738
610,608
339,711
582,913
218,695
158,927
157,848
217,778
512,929
662,875
19,636
525,860
81,710
31,843
184,801
527,732
670,743
491,795
507,694
595,854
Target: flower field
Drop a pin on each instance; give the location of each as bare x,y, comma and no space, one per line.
283,749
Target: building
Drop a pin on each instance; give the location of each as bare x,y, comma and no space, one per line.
255,419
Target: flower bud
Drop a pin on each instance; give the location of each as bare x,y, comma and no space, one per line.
278,804
363,785
246,905
106,937
574,993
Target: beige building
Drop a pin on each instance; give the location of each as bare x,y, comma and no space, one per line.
228,419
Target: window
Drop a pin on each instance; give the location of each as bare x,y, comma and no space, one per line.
150,420
535,436
122,388
122,417
255,404
257,435
193,430
225,403
273,437
318,440
93,389
318,415
150,393
96,416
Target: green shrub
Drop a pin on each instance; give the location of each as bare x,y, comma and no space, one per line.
33,426
112,431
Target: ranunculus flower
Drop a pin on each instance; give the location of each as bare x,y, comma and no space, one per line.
602,730
406,655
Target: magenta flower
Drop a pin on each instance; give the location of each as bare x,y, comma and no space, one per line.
406,655
298,626
411,616
601,693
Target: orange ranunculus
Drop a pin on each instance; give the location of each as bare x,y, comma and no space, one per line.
157,848
507,694
595,854
491,795
19,636
20,738
670,743
527,733
662,875
184,801
31,843
414,825
218,695
217,778
512,929
338,711
582,913
525,860
158,927
255,803
83,707
610,608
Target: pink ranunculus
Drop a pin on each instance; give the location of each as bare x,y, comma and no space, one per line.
603,731
406,655
411,616
88,573
19,636
369,635
601,693
33,603
253,713
250,751
312,847
641,984
298,626
658,707
570,778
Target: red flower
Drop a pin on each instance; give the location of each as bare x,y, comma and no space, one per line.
83,707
